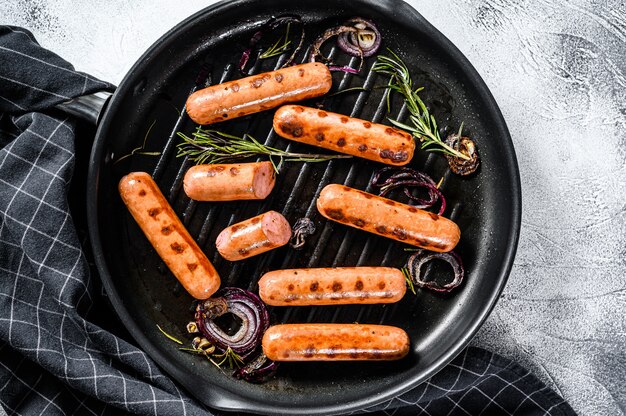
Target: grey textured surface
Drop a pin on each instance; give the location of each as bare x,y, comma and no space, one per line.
558,71
558,74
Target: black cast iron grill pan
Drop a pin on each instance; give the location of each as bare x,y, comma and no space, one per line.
205,49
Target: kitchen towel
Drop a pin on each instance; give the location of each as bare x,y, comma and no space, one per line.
57,353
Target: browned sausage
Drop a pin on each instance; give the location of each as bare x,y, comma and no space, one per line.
334,342
388,218
253,236
259,92
168,236
336,286
229,182
344,134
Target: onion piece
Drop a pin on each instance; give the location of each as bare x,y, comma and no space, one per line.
363,42
316,55
417,261
272,24
357,37
246,306
466,146
407,178
347,69
256,370
303,228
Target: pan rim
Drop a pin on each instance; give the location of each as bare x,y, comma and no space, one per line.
225,400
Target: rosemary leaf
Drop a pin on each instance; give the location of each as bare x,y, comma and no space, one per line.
347,90
169,336
409,281
192,350
401,125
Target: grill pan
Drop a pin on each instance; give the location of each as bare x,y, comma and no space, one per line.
205,49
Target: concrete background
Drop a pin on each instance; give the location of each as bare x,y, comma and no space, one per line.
558,71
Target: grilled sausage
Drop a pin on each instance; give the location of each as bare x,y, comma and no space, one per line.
336,286
253,236
344,134
249,95
334,342
388,218
229,182
168,236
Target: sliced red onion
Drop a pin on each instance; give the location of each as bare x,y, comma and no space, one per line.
416,263
257,370
316,55
343,69
406,178
203,77
303,228
357,37
246,306
365,41
272,24
466,146
243,61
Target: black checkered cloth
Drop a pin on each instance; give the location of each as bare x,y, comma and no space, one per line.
57,353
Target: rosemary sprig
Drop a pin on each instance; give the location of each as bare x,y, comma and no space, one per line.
277,49
423,124
214,146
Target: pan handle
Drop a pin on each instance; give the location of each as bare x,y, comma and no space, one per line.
87,107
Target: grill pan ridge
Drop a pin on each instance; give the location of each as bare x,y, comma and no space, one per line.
205,50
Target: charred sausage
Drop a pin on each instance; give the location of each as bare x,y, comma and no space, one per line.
253,236
168,236
388,218
332,286
259,92
334,342
229,182
344,134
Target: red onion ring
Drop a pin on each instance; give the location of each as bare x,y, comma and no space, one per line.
417,261
246,306
316,55
406,178
256,370
350,43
